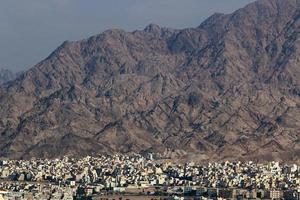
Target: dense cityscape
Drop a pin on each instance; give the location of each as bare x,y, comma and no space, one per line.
104,177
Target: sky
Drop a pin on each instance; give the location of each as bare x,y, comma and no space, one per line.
31,29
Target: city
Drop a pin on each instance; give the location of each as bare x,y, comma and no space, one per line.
150,100
108,177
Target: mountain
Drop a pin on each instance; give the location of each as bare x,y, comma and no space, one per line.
7,75
228,89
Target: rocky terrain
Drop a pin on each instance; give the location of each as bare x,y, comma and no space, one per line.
228,89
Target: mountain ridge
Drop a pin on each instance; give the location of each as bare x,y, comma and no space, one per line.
228,89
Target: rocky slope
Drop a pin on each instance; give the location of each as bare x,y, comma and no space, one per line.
228,89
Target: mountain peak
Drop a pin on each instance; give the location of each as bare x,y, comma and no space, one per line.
269,9
175,92
152,28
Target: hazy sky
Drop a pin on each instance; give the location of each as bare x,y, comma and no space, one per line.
31,29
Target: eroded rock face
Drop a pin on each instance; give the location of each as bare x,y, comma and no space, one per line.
228,89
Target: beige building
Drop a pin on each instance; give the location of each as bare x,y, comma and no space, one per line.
3,195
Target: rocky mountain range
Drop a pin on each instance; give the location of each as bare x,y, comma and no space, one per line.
226,90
